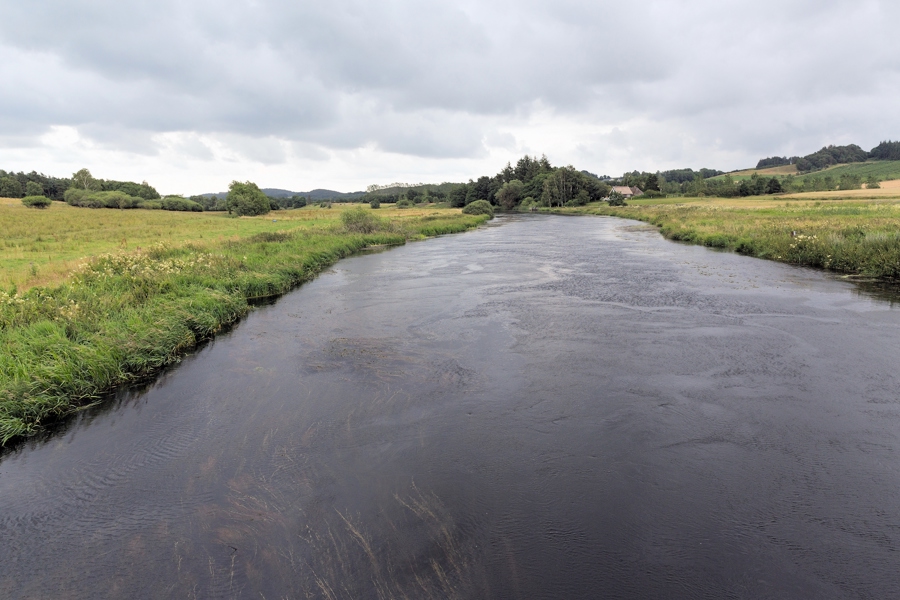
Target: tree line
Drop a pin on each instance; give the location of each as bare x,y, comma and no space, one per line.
531,182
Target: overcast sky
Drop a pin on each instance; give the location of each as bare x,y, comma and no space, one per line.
191,94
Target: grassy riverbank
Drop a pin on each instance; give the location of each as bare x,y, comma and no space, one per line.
839,231
140,288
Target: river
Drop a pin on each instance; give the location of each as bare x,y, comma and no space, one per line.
547,407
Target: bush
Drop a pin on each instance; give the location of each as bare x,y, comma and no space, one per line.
360,220
404,203
36,201
180,204
91,199
616,199
151,205
375,204
479,207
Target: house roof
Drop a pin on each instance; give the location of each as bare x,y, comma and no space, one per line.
623,189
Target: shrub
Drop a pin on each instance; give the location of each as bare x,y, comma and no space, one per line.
616,199
92,199
151,205
180,204
404,203
375,204
360,220
479,207
36,201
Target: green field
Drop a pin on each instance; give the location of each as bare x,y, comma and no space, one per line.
99,297
881,169
859,237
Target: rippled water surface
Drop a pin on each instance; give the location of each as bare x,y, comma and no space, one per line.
547,407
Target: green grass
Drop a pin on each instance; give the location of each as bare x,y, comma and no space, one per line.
123,316
882,169
854,237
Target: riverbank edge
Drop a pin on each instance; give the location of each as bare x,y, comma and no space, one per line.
55,364
789,248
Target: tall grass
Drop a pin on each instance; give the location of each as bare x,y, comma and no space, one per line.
123,316
850,237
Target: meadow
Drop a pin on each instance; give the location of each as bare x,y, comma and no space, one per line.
96,298
855,235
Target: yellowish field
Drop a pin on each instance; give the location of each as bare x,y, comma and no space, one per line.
889,189
41,247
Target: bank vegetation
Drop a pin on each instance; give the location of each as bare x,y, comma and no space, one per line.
125,312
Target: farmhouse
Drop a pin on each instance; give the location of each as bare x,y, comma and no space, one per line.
627,192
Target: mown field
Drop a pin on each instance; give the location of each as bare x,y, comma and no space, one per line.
836,231
94,298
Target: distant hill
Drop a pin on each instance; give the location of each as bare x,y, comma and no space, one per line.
315,195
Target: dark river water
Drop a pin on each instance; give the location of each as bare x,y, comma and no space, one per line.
547,407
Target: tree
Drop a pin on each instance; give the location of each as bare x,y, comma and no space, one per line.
246,199
560,186
10,187
773,186
510,194
850,182
458,195
479,190
33,188
652,182
872,183
83,179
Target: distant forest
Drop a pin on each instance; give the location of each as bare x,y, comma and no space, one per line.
531,182
834,155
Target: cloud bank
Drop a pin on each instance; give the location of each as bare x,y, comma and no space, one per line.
192,94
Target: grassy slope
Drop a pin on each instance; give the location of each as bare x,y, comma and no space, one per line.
123,316
747,173
851,236
882,169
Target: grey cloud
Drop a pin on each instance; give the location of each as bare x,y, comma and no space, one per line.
432,79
